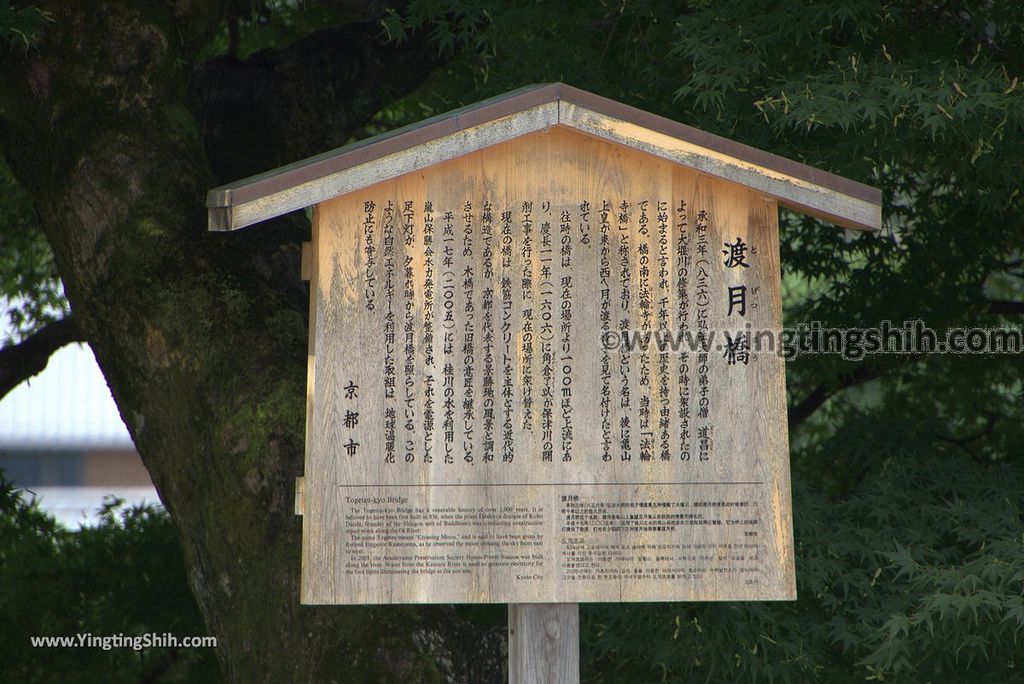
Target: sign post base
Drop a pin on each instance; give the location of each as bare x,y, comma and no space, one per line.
543,643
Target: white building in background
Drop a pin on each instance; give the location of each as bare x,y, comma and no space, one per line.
62,440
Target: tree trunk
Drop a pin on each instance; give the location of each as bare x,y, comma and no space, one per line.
202,338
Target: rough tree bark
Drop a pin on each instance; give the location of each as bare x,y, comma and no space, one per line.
117,133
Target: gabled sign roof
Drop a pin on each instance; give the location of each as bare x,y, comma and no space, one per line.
534,108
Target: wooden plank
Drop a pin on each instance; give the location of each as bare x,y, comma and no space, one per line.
701,513
796,193
389,166
378,146
306,261
543,643
353,167
314,305
716,143
300,496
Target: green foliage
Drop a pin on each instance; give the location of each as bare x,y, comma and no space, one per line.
613,48
907,496
30,288
908,507
917,576
262,24
124,575
21,26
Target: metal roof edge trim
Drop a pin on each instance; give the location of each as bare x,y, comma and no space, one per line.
222,199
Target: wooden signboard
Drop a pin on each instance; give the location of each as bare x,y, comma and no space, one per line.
538,357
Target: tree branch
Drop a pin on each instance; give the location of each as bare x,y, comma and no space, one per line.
182,321
986,430
277,106
803,409
21,361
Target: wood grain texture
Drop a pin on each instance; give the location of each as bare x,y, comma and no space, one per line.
543,643
300,496
306,263
585,512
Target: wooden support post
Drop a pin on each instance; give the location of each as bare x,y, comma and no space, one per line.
543,643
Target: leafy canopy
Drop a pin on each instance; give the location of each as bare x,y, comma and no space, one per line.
907,495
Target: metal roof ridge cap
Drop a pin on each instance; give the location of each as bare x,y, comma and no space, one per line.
222,196
218,198
458,115
634,115
511,104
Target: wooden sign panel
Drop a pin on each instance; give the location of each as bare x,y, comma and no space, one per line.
478,431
